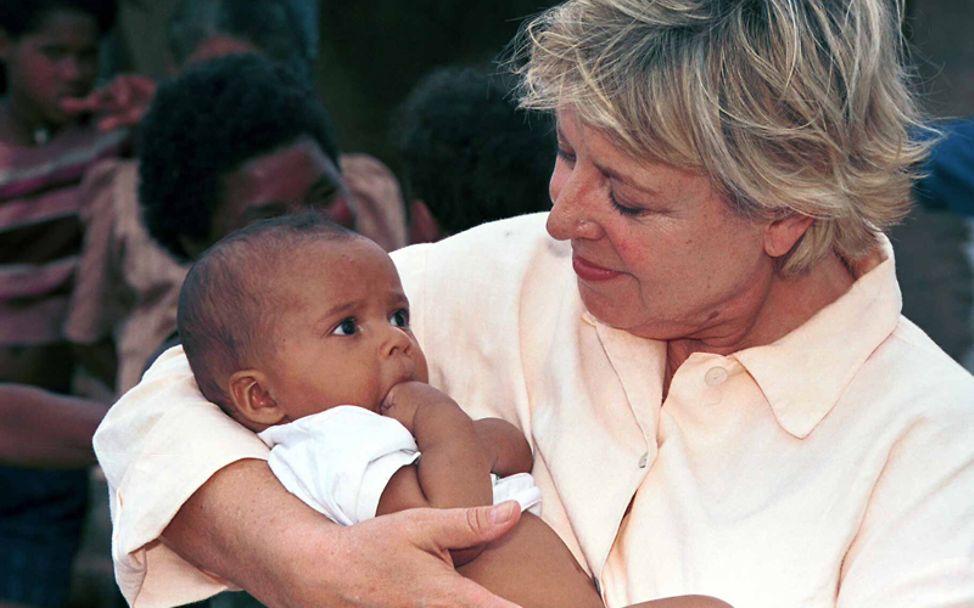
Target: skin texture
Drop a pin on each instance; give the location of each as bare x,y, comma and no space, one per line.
659,253
340,336
45,67
247,505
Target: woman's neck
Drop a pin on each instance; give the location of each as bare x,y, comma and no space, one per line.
787,304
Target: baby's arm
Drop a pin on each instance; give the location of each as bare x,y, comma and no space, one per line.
454,469
507,450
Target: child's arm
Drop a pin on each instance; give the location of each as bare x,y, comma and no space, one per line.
454,469
507,450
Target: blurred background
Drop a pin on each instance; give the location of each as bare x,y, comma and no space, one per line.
371,53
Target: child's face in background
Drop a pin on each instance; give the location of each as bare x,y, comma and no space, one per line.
56,61
343,337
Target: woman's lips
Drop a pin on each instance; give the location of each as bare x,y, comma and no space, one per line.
587,271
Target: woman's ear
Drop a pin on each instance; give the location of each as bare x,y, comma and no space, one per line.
782,234
251,396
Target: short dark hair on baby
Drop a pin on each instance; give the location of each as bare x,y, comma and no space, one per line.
230,296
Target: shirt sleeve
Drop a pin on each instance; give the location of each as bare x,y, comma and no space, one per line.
158,444
915,546
338,462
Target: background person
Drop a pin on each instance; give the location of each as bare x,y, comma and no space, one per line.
466,118
49,52
708,359
261,146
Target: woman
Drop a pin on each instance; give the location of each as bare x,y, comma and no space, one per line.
707,357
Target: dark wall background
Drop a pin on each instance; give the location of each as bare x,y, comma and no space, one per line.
373,52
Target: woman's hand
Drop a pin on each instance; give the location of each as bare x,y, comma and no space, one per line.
401,560
244,526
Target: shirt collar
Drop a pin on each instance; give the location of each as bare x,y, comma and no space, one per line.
804,373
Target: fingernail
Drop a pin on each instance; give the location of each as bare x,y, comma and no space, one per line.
502,512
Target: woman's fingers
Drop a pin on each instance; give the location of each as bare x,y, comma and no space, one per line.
404,561
461,528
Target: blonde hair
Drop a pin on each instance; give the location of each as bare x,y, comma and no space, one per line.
790,106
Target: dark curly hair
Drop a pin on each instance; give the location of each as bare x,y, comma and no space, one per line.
469,153
206,123
19,17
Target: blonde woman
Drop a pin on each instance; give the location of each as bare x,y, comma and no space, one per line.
702,342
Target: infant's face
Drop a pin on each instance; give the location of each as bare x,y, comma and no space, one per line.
343,338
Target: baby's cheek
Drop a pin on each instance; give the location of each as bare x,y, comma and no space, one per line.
422,369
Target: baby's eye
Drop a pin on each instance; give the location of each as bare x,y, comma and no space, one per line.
400,318
347,327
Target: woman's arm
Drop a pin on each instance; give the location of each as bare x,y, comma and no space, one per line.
244,526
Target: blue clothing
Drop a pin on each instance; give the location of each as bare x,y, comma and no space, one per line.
949,171
41,517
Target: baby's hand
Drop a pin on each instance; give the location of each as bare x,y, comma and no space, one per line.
405,399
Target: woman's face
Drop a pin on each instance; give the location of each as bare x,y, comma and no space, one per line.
657,251
58,60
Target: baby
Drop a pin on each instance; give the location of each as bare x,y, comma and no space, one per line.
299,329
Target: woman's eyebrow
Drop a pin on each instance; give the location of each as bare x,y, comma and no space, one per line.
625,179
609,171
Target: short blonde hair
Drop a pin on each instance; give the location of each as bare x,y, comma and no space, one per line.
790,106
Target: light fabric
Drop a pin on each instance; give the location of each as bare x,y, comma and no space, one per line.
127,284
339,461
832,468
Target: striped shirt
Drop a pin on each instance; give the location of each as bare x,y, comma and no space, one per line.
40,238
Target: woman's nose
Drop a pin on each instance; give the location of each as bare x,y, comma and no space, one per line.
571,216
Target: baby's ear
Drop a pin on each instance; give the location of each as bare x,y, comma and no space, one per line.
250,395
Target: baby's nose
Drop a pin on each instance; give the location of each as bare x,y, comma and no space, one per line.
396,341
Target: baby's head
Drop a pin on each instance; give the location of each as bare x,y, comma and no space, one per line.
295,315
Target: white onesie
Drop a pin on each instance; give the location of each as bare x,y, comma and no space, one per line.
340,460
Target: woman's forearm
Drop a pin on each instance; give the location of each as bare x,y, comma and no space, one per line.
242,525
226,527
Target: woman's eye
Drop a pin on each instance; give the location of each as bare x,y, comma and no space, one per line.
400,318
347,327
624,209
565,155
